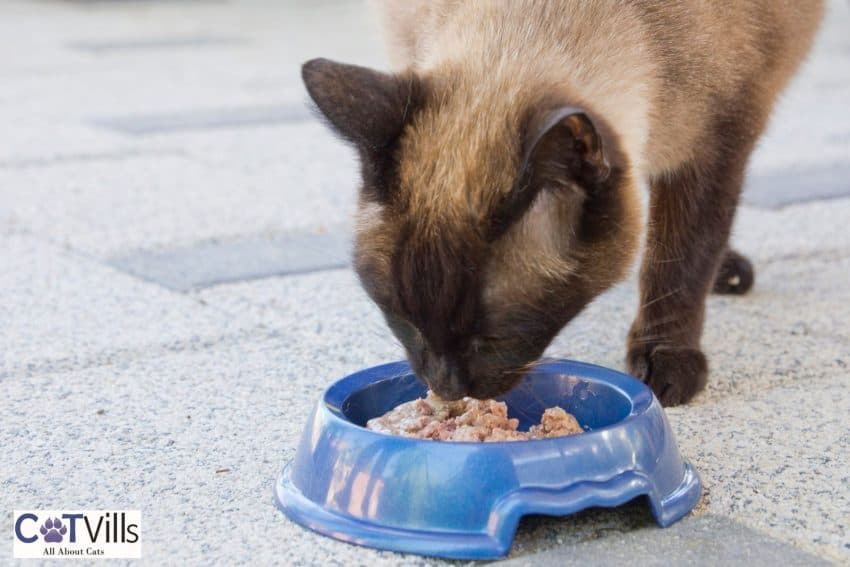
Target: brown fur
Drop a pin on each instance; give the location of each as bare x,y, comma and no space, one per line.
501,165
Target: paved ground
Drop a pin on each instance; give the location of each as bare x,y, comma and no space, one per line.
174,297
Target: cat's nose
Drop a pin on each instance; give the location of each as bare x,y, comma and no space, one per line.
449,380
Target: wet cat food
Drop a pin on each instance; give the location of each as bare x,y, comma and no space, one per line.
468,419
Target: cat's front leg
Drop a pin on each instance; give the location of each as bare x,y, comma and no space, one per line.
691,214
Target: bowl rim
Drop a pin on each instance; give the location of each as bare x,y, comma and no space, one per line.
636,392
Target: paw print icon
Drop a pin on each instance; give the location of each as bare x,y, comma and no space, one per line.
53,530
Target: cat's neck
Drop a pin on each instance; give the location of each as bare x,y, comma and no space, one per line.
504,63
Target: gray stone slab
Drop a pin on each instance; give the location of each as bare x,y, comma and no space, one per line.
101,47
781,188
205,119
707,540
804,153
61,311
330,308
193,439
805,296
766,235
242,184
214,263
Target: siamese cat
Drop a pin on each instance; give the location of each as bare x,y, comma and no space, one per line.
501,165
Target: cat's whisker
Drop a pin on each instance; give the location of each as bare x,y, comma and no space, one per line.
661,297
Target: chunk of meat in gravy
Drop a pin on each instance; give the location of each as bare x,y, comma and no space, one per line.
468,419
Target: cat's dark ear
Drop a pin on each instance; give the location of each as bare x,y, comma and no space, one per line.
561,146
564,144
367,107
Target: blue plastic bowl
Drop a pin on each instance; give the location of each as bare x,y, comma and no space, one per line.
464,500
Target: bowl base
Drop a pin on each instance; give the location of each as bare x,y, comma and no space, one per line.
666,509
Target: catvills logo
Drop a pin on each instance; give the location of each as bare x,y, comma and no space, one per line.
87,534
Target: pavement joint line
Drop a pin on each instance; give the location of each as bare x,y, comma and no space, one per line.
62,159
123,46
206,119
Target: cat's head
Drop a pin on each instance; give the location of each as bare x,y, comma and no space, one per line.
486,220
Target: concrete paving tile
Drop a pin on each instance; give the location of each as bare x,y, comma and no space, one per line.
793,231
769,433
278,151
812,109
149,86
804,297
194,440
107,208
62,311
708,541
798,185
777,461
793,326
742,361
279,37
330,307
542,534
215,263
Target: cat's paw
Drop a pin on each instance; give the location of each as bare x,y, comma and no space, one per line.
675,374
735,276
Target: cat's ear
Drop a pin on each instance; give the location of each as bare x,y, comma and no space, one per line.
367,107
564,144
561,147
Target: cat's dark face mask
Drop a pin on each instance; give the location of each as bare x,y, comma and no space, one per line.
538,220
